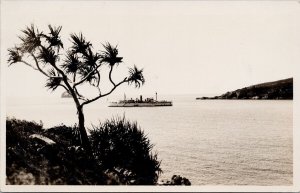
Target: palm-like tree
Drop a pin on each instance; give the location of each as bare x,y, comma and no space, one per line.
81,65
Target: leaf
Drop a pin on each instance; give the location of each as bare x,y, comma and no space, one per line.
31,39
53,82
110,55
85,71
90,58
47,55
53,38
80,45
15,55
136,77
71,63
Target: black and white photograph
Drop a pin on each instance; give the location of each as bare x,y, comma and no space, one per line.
150,95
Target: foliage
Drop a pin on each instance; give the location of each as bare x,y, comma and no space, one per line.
123,149
178,180
30,161
64,135
80,63
71,68
136,77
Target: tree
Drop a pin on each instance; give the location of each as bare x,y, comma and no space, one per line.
80,66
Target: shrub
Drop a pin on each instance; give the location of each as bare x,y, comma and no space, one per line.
124,151
30,161
178,180
21,151
64,135
121,155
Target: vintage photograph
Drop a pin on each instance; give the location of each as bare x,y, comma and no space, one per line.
156,93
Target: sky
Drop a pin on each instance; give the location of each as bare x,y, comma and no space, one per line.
193,47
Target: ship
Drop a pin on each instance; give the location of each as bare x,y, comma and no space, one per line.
148,102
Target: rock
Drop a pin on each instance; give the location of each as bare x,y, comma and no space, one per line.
43,139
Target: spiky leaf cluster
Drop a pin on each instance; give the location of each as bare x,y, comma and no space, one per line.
31,39
47,55
53,38
54,81
88,66
80,45
72,63
80,65
33,43
136,77
15,55
110,55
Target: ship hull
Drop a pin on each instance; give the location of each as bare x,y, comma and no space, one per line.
154,104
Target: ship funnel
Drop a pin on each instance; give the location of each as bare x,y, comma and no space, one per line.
141,98
156,96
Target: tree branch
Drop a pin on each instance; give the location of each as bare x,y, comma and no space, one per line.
74,77
28,64
98,78
39,68
83,79
111,68
100,95
64,87
54,65
80,96
97,87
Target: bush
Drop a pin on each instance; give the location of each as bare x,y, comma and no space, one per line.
124,151
30,161
178,180
122,155
21,152
64,135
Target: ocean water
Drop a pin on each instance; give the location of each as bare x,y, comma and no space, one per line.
210,142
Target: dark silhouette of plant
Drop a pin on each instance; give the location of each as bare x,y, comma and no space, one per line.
122,155
79,65
124,150
31,161
178,180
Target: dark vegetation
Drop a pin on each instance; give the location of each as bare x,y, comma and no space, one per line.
71,68
116,152
121,147
122,154
178,180
281,89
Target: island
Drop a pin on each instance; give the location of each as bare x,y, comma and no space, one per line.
280,90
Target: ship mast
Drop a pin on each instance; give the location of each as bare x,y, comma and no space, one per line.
156,96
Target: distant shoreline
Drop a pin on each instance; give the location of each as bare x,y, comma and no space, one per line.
276,90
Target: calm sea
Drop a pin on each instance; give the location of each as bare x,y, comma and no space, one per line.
211,142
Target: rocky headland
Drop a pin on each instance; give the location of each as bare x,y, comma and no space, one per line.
281,89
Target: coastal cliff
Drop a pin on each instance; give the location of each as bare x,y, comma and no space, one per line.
281,89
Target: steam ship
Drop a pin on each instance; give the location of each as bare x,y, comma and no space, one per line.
148,102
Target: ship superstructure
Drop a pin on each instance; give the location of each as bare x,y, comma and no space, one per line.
139,102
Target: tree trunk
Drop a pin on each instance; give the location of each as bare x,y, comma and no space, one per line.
83,134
